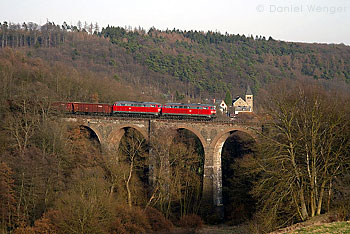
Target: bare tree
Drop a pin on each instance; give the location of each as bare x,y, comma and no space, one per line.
303,151
86,27
186,178
97,28
21,124
79,25
133,148
85,207
160,178
175,174
91,28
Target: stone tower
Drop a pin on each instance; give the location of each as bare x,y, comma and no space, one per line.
249,98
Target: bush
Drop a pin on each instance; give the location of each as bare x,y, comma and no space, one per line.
213,219
44,225
191,222
24,230
157,220
341,201
117,227
130,220
85,207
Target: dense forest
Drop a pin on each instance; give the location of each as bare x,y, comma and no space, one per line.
55,178
176,64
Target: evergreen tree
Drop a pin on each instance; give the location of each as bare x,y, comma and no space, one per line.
228,98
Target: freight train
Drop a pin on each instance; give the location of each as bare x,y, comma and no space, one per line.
129,108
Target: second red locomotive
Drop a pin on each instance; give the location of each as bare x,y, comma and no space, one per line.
193,110
143,108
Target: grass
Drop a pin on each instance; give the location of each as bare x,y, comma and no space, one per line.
336,227
224,229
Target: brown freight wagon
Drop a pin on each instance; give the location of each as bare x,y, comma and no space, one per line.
63,106
92,108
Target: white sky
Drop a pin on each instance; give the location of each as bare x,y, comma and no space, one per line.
291,20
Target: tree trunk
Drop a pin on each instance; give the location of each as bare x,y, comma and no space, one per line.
35,39
319,205
313,192
303,205
329,195
128,183
111,191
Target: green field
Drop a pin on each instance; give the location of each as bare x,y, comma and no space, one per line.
338,227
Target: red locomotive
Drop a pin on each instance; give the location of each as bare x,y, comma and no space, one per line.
138,108
194,110
143,108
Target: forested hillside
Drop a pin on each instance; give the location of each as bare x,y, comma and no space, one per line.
175,64
56,178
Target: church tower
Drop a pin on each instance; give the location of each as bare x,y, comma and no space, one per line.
249,98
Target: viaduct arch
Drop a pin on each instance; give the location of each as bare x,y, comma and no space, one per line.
212,135
95,131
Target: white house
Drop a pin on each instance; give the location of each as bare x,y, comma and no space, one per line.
221,105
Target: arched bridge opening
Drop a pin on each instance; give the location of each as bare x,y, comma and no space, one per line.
186,165
91,135
237,152
83,144
113,139
85,132
133,166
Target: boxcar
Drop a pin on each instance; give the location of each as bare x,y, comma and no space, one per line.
92,108
66,107
190,110
142,108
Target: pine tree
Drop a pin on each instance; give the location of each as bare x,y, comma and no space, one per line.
228,98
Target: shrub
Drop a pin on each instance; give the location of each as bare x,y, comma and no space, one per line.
24,230
157,220
191,222
44,225
132,220
117,227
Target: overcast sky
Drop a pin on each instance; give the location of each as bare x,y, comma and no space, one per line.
290,20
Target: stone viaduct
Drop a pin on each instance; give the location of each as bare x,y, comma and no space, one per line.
212,135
